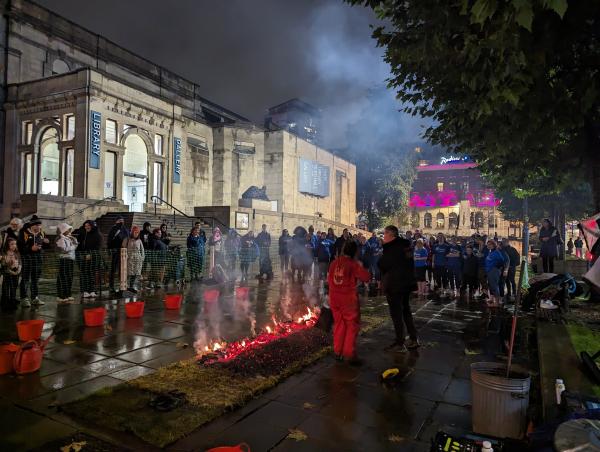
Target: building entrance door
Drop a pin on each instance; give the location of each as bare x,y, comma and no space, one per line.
135,174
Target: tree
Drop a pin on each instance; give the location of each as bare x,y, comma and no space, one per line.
514,84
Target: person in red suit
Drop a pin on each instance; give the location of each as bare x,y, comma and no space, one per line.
342,278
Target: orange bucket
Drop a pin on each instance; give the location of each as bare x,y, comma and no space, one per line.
134,310
94,316
30,330
243,447
173,301
211,295
7,358
242,292
29,356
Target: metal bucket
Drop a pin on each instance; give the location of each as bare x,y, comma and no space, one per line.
499,403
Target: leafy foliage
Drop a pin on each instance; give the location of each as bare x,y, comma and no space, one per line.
514,84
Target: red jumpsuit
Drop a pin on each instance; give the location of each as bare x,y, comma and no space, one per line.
343,273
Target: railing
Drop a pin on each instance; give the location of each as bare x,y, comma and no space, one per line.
79,211
213,221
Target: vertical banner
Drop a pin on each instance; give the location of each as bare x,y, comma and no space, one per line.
176,160
95,139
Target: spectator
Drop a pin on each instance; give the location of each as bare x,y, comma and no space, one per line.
147,236
579,247
263,240
470,275
88,255
514,259
216,245
301,259
323,256
248,253
430,245
10,268
570,246
202,236
12,231
397,273
420,258
340,243
494,263
157,257
376,249
481,251
165,236
454,261
440,262
549,250
115,238
409,237
314,240
135,258
195,254
342,278
66,245
504,272
332,239
284,251
30,243
232,248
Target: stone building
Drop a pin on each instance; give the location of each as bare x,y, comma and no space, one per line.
452,198
89,125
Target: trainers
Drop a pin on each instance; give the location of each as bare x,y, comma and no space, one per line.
412,344
86,295
92,295
26,303
37,302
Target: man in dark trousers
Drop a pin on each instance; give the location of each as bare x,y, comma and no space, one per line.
398,281
263,239
116,236
514,260
340,243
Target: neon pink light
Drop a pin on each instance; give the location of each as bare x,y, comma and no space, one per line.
448,198
449,166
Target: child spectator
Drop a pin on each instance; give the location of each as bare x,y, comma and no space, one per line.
66,245
10,268
135,258
420,257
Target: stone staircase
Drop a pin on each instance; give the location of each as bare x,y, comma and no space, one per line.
179,226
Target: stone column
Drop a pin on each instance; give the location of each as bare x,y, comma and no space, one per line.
82,126
12,163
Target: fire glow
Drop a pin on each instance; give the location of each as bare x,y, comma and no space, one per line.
221,351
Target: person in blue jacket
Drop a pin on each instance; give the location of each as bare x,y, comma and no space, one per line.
440,270
494,264
195,254
454,262
376,250
324,255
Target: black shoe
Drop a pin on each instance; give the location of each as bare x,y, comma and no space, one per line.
413,344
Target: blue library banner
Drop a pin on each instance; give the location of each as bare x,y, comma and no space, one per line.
177,160
95,139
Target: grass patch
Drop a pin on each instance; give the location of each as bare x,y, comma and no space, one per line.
585,340
209,391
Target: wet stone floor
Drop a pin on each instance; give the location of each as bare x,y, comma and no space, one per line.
335,406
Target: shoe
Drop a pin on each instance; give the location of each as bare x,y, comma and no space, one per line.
26,303
37,302
85,295
71,298
412,344
92,295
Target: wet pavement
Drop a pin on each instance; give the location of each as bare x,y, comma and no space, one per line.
336,406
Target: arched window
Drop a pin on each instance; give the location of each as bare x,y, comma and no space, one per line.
427,220
478,220
135,173
415,220
492,220
440,221
59,67
453,220
49,163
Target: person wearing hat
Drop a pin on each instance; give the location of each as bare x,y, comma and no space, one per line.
66,245
135,258
31,240
117,234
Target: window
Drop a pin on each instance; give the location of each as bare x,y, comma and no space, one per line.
465,187
415,220
453,221
478,220
440,186
158,144
110,166
110,133
70,127
243,147
158,180
440,221
49,163
27,172
197,145
27,132
69,171
427,220
492,220
59,67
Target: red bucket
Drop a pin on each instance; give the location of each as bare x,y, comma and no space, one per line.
243,447
94,316
29,356
7,358
30,330
134,310
211,295
173,301
242,292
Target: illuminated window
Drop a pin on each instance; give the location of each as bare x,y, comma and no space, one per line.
27,132
427,220
158,144
440,186
453,221
415,220
27,173
110,167
465,187
69,171
158,180
478,220
110,132
440,221
49,163
70,127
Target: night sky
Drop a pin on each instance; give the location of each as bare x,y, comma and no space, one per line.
248,55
